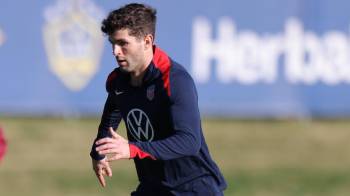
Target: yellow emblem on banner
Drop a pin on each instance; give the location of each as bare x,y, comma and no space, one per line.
73,41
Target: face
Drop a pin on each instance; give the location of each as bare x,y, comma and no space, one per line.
129,51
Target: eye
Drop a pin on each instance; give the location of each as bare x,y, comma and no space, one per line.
122,43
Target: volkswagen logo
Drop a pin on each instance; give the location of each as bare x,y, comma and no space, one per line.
139,125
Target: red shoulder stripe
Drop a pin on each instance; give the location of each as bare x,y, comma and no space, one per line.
162,62
110,78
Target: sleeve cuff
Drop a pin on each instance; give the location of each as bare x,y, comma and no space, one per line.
136,152
94,155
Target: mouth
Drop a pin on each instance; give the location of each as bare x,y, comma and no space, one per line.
121,61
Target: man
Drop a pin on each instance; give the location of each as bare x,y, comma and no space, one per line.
157,100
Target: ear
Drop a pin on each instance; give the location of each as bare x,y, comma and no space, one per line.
148,41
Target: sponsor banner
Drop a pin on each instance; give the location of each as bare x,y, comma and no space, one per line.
272,58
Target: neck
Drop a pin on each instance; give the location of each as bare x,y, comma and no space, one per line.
137,75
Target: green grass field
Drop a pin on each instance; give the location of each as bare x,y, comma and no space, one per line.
268,158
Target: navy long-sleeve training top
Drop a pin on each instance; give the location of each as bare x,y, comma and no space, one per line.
163,124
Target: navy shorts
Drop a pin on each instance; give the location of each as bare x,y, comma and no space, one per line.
203,186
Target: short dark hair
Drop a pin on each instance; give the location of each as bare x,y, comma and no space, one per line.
139,19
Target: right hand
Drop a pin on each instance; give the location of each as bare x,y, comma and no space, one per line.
102,169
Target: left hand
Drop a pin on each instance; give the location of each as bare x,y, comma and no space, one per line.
101,168
117,146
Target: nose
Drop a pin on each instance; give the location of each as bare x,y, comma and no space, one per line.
116,50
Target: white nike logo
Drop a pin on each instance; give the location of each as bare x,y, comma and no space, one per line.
118,92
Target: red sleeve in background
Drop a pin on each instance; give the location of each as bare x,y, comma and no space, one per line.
137,152
2,144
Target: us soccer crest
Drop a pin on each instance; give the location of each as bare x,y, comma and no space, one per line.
73,41
150,92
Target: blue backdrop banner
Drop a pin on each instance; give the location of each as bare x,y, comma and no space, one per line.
249,58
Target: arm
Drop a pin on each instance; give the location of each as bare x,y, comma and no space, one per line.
111,117
186,139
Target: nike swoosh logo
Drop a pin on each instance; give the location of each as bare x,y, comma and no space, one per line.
119,92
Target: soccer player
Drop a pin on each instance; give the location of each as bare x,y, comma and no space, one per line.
158,102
